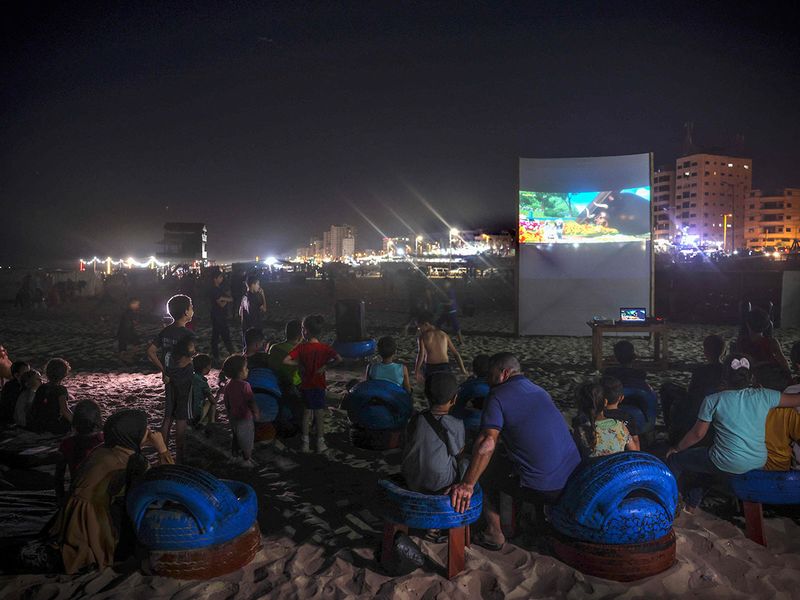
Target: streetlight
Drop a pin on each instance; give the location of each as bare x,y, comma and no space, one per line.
419,245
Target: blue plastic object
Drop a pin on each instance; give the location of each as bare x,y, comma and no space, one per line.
422,511
645,401
378,404
220,510
767,487
623,498
361,349
171,527
267,392
471,389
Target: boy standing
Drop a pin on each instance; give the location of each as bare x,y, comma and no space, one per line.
313,357
253,306
434,346
433,453
219,315
176,408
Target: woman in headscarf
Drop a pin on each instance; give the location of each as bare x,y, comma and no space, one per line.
90,525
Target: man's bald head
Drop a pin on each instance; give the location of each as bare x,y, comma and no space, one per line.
502,366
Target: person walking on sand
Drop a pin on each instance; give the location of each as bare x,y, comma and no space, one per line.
434,346
253,307
220,299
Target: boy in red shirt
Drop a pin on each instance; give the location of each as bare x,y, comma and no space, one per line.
313,357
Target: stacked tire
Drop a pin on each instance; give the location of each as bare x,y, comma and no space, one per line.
423,511
379,412
614,518
193,525
472,390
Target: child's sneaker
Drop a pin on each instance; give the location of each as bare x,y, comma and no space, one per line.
247,464
305,447
321,445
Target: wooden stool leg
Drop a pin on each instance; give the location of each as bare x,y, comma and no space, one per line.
455,551
389,531
754,522
466,536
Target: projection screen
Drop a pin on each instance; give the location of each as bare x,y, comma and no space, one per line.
584,241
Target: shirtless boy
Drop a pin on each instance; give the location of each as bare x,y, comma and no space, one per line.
434,346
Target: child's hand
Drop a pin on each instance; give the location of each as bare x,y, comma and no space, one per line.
419,377
164,378
156,440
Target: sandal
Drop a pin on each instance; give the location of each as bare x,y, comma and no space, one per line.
435,536
480,539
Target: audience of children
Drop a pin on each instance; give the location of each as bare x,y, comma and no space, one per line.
386,369
768,363
12,390
203,404
739,415
630,376
177,377
241,406
50,410
433,349
433,456
31,381
313,357
597,433
87,423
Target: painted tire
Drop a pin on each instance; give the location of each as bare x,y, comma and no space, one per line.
767,487
209,562
208,511
376,439
422,511
646,402
361,349
624,562
267,391
603,500
377,404
470,390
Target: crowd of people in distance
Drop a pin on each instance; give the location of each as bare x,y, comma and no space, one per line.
738,413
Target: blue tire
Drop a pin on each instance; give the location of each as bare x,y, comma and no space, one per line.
267,391
624,498
361,349
471,389
767,487
171,527
217,508
422,511
378,404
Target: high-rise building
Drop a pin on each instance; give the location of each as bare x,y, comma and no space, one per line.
335,237
348,246
663,195
772,218
707,188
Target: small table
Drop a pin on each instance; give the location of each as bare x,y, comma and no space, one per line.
658,331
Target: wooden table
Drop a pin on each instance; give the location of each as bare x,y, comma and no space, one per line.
658,331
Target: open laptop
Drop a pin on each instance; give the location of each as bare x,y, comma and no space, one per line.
632,315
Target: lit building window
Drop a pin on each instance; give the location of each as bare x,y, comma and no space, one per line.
730,164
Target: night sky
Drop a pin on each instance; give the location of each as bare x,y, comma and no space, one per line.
270,122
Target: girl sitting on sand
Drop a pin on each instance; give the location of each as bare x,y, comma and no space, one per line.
739,415
88,529
87,424
596,435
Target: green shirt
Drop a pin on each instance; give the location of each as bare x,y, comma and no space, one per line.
739,418
288,375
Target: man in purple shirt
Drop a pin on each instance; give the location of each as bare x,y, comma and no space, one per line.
541,451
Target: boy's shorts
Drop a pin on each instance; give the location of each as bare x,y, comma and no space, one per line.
313,398
178,399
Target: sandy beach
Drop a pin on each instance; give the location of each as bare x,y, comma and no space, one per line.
317,513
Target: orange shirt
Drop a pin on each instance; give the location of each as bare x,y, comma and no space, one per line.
783,428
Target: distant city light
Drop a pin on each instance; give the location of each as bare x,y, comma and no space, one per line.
270,261
454,231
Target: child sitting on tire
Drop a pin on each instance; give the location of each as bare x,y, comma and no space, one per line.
386,369
433,458
595,433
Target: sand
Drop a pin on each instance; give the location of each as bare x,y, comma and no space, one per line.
317,513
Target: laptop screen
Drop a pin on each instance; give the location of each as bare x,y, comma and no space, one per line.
633,315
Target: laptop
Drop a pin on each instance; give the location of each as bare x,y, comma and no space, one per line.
632,315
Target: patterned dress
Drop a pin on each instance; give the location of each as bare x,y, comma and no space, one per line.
611,436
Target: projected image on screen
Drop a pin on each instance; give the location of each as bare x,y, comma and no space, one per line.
569,217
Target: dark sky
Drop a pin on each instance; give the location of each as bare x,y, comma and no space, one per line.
269,122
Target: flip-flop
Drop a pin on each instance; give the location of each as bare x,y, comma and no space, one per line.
480,540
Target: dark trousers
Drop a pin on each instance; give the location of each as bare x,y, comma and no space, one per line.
219,329
697,471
